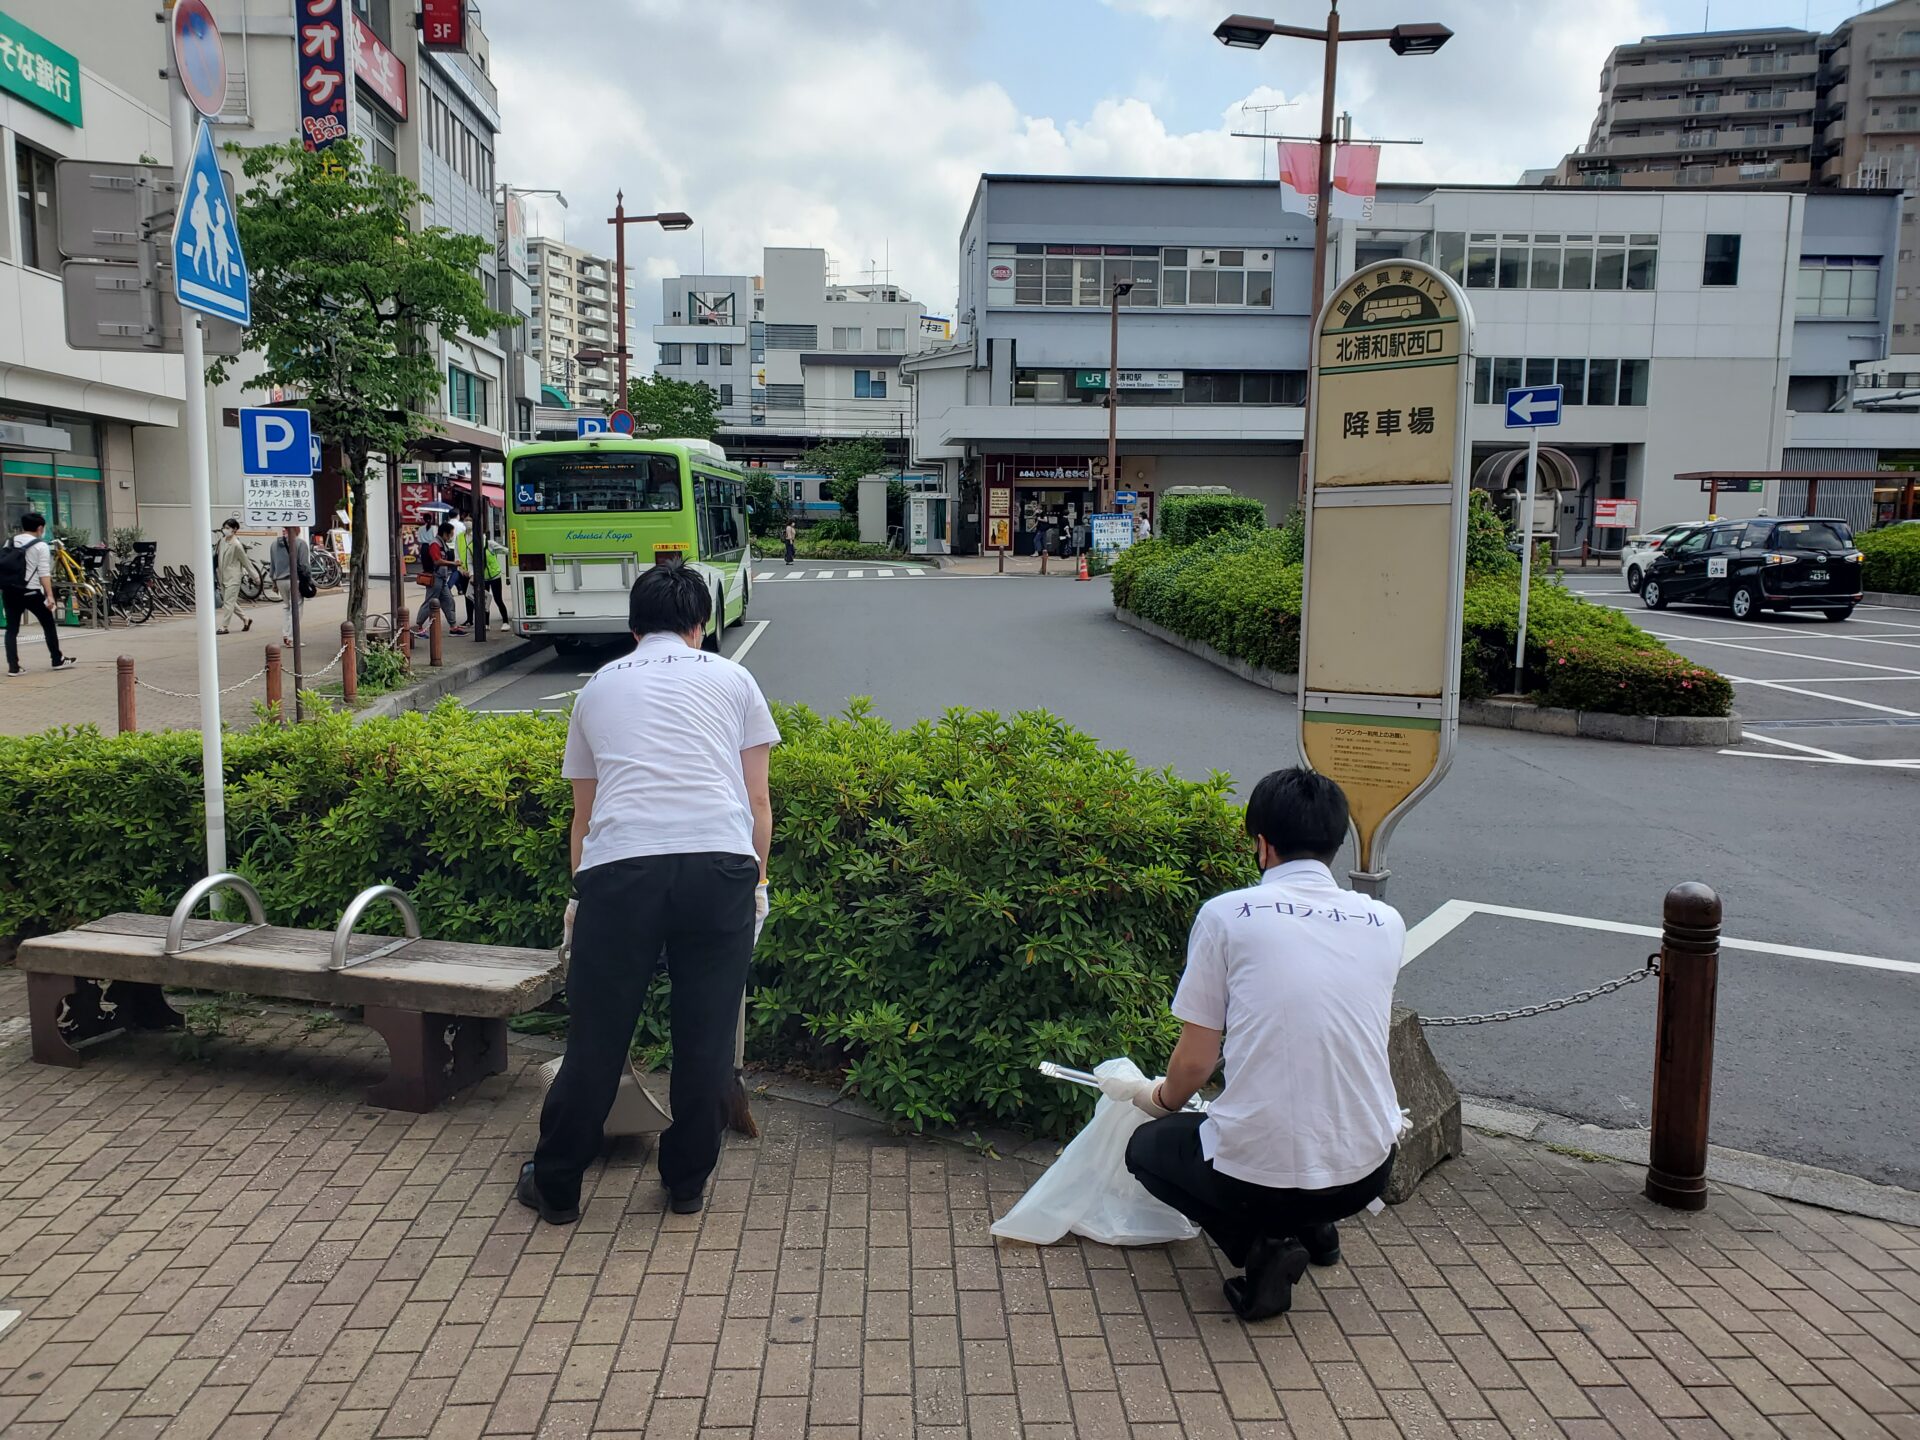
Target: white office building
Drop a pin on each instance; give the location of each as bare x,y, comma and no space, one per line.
573,310
792,358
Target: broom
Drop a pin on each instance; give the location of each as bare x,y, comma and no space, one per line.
739,1115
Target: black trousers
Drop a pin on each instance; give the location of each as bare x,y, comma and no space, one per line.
19,604
1165,1157
698,909
499,599
789,547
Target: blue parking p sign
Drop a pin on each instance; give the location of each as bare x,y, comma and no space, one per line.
276,442
585,425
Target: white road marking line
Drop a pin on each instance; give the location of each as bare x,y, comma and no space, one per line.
1908,765
1798,631
1796,745
1832,679
1884,640
823,575
764,575
916,574
884,574
855,574
1836,699
740,651
1454,913
1789,654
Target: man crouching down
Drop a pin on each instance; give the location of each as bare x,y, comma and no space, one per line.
1297,975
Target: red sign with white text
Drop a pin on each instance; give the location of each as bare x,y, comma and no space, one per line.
443,24
415,495
379,69
1616,514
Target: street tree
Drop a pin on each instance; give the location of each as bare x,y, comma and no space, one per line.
346,288
767,498
843,462
673,409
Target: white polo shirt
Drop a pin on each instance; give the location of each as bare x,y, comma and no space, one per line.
661,731
1299,974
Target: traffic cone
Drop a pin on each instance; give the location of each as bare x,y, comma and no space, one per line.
1083,568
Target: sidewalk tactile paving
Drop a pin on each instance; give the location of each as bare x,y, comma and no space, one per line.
238,1247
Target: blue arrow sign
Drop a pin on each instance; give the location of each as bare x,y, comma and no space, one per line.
209,272
1531,406
276,442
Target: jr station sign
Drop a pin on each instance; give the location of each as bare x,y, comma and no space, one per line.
1386,503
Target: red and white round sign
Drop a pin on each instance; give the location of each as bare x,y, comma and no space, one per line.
1002,272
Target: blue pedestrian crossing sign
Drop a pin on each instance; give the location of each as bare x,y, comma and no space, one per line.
209,272
1531,406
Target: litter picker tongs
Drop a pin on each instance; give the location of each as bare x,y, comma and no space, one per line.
1089,1081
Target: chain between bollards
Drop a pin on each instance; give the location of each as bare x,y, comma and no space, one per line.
1683,1047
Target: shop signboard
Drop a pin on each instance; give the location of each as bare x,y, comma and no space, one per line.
1386,503
1616,514
1149,379
36,70
999,515
1112,533
415,494
1040,471
320,65
379,69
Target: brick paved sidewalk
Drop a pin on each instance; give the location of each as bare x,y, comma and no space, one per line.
236,1246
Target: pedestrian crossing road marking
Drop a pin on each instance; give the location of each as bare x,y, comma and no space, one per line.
775,577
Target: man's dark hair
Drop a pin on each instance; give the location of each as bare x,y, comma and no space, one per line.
33,520
669,599
446,527
1302,815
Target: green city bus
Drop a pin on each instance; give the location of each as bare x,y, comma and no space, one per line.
585,517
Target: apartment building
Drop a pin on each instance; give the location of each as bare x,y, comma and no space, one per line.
793,357
1769,107
431,116
573,310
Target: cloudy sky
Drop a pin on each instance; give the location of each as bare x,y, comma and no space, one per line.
863,125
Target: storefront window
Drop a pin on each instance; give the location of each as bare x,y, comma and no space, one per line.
64,486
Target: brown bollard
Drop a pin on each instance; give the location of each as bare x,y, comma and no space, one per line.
1683,1047
349,665
403,633
433,639
123,675
274,704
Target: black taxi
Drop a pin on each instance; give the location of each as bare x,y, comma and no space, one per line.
1749,566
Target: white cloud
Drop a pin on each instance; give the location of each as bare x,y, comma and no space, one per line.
853,124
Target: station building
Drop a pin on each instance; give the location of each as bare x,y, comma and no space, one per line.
1703,337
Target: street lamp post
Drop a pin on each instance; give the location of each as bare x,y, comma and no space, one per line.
1111,484
666,220
1250,32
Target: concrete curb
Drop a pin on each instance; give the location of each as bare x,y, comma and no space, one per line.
440,683
1892,602
1714,730
1782,1179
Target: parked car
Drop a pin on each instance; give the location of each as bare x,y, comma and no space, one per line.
1751,566
1638,552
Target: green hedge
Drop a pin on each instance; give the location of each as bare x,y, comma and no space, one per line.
953,903
1893,559
809,549
1240,593
1185,519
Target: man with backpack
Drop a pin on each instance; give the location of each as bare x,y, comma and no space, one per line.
437,569
26,588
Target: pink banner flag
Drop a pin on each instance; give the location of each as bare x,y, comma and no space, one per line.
1356,173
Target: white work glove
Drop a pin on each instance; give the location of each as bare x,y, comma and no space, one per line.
1137,1093
566,928
761,905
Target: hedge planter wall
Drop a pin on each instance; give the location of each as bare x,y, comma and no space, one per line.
1893,559
952,903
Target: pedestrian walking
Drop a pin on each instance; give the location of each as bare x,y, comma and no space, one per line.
496,568
289,576
437,569
1297,974
787,537
229,569
26,588
1143,527
667,750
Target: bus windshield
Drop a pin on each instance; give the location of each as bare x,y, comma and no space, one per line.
591,483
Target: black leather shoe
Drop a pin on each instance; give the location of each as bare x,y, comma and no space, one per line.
527,1192
1266,1290
1323,1244
687,1202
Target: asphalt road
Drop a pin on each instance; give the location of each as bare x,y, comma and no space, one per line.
1815,1054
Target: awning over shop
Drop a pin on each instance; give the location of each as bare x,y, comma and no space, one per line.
456,440
496,495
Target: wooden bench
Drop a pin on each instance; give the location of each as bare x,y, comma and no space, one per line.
441,1006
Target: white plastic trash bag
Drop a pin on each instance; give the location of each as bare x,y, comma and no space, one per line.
1089,1191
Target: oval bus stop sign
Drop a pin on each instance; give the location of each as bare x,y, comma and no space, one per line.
1386,502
